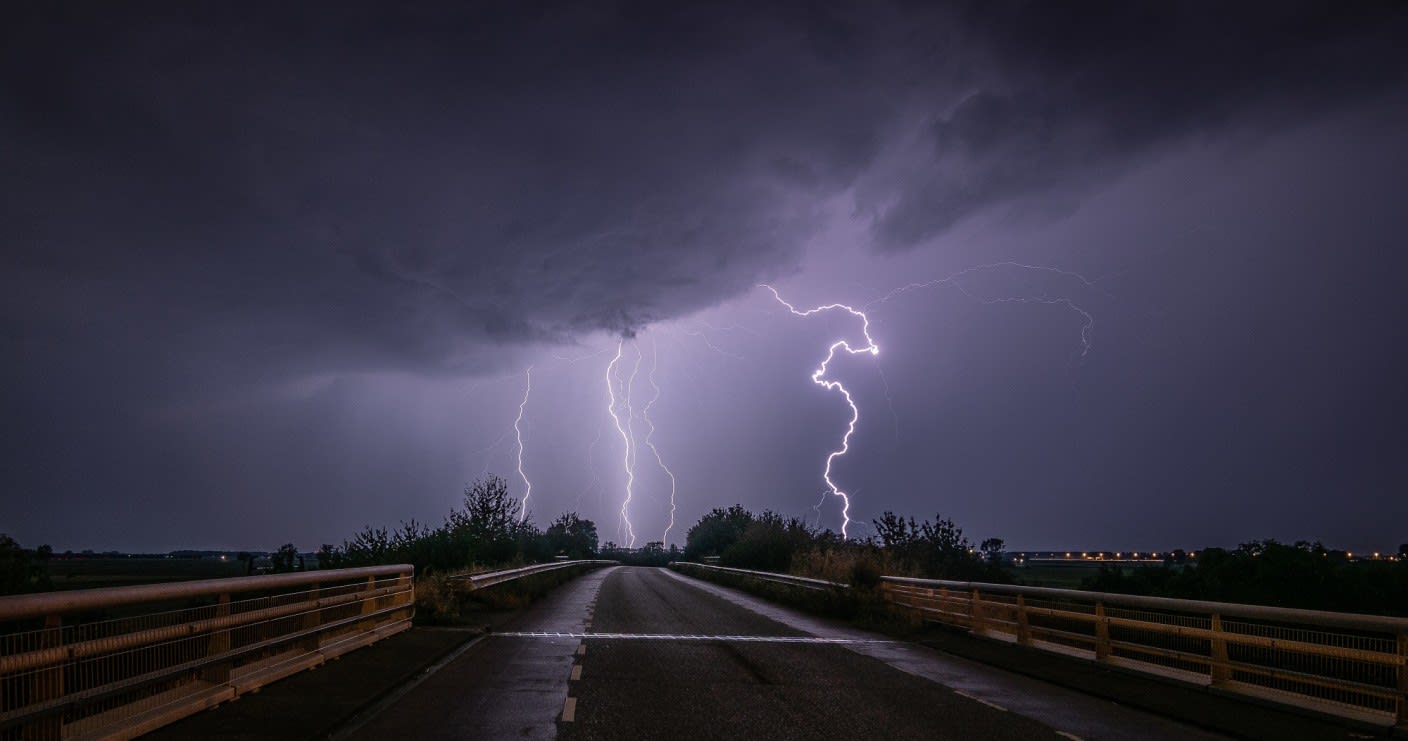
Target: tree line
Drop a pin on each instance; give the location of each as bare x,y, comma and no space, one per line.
486,530
1266,572
935,549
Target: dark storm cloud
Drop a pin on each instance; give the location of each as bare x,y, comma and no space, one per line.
248,251
1067,93
378,187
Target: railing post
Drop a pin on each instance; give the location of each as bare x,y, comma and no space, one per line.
1403,678
1220,671
312,618
369,604
220,644
1024,631
1102,633
407,579
975,614
49,684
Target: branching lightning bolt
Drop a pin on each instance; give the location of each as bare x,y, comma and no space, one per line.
626,461
655,363
1086,328
819,378
528,485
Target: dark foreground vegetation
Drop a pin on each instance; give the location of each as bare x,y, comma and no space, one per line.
487,533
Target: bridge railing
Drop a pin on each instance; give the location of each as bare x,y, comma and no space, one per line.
118,662
490,578
1353,666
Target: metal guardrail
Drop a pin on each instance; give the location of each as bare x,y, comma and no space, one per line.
118,662
791,581
489,579
1352,666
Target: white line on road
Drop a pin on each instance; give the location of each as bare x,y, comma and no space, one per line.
577,674
1070,736
569,710
992,705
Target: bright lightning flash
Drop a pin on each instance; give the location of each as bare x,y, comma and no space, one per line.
528,485
627,459
820,379
655,363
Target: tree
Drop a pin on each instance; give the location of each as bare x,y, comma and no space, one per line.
935,549
768,543
992,549
486,528
284,558
1403,551
572,536
716,531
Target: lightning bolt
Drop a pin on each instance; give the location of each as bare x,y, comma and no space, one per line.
528,485
820,379
1087,327
655,363
626,460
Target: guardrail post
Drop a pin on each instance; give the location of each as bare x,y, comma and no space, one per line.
48,684
1024,631
408,580
313,617
1102,633
220,644
1220,670
369,604
1403,678
975,614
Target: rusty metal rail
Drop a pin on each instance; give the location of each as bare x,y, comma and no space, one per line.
121,661
1352,666
489,579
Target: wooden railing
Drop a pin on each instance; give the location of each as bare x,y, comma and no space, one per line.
118,662
1353,666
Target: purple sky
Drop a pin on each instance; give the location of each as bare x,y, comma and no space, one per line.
271,275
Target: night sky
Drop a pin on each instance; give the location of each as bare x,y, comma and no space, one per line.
272,273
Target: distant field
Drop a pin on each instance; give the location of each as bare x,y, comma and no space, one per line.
1059,576
120,572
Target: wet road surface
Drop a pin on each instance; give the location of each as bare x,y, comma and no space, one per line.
647,653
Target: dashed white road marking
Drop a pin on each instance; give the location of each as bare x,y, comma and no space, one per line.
569,710
1070,736
582,649
577,674
992,705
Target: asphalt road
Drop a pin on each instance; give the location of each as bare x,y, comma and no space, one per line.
647,653
735,688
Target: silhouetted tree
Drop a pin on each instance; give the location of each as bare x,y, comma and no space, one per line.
284,558
572,536
716,531
21,570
